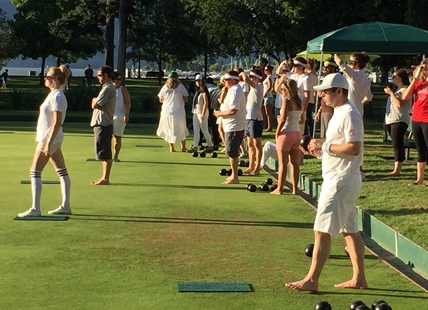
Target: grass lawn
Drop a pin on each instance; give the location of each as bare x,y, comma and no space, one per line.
166,218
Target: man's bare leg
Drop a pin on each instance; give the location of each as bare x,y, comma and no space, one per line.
322,247
105,179
233,179
355,246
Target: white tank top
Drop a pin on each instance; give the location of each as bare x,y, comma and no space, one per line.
292,121
119,111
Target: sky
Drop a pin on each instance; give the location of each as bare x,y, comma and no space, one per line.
95,62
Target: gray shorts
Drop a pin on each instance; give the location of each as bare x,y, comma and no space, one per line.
233,141
102,139
254,128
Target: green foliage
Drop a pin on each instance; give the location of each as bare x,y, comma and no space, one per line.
79,98
23,100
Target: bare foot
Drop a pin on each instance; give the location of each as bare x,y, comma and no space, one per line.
116,160
172,150
100,182
394,173
247,171
254,172
223,150
232,181
276,192
414,183
303,285
184,150
362,284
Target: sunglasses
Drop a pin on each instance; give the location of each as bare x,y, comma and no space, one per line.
118,79
351,62
100,75
49,77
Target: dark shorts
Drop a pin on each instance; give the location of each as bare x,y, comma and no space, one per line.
254,128
233,141
102,139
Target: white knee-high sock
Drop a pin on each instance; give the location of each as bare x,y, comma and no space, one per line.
65,181
36,188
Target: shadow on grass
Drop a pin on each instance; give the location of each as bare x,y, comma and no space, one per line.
172,163
180,220
402,211
345,257
381,292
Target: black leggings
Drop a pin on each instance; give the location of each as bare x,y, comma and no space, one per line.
397,132
420,134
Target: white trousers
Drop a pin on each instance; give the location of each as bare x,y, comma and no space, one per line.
201,125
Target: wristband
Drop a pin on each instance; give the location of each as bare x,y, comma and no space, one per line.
326,148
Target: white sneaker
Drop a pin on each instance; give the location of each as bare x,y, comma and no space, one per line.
28,213
363,176
60,210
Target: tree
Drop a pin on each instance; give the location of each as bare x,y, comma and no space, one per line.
45,28
168,31
8,47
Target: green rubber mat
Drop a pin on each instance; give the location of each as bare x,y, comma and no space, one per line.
213,287
7,132
147,145
43,182
43,218
91,159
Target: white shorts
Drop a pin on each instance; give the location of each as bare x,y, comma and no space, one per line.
118,127
54,147
219,120
337,211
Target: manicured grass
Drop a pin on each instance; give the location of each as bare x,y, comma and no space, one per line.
166,218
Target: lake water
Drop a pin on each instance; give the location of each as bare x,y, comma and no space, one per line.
25,71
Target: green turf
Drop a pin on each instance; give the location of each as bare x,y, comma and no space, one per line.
166,218
211,287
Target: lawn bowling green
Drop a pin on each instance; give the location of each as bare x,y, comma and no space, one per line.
166,218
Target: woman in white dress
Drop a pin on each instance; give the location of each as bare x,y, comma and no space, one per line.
121,113
172,125
49,137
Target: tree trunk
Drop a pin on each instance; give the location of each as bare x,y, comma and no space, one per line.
139,68
109,48
58,62
205,64
42,71
121,54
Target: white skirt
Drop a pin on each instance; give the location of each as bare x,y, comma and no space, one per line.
172,129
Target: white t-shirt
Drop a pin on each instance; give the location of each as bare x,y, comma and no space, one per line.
245,86
235,100
303,84
346,125
255,102
266,86
173,102
359,86
55,101
119,110
396,114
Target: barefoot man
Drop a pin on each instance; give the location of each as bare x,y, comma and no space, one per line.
341,159
233,115
102,122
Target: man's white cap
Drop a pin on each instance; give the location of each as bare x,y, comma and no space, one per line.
333,80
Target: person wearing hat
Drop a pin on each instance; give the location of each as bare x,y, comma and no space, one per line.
172,124
325,113
200,110
233,113
254,127
341,155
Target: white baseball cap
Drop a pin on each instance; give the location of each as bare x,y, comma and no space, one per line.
198,77
333,80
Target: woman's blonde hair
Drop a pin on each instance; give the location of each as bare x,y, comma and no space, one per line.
291,88
172,83
61,73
